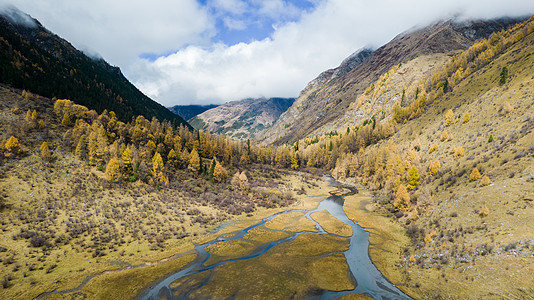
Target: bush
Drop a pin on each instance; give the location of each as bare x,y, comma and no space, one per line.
485,181
475,175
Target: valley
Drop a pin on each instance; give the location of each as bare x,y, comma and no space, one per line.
406,172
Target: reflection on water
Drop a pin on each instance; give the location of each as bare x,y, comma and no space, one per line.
369,280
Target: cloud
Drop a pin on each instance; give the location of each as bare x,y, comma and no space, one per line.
121,30
296,52
182,52
16,16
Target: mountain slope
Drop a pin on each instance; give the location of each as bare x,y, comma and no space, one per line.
242,119
37,60
325,101
189,111
452,161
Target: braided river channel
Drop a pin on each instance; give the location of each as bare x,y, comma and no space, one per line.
365,276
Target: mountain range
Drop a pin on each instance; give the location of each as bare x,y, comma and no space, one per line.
189,111
242,119
326,99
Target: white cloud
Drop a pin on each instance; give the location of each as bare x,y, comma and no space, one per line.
297,52
281,65
121,30
234,24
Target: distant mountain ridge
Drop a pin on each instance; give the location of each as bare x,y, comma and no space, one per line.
327,98
190,111
35,59
242,119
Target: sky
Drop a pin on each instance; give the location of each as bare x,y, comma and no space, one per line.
214,51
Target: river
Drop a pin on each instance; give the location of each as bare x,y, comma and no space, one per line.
369,280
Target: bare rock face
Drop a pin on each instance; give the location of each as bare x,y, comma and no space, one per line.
242,119
326,98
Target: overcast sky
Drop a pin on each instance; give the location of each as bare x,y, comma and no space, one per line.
213,51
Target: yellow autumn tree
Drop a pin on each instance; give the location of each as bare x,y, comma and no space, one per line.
194,161
402,198
113,170
485,181
413,178
475,175
12,147
45,152
434,167
444,136
127,159
294,161
66,120
172,158
466,118
157,168
459,152
449,117
219,173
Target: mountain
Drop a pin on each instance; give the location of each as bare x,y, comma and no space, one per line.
444,144
35,59
326,99
189,111
242,119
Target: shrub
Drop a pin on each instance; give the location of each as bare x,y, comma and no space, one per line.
484,211
490,138
433,148
459,152
475,175
449,117
434,167
485,181
444,136
466,118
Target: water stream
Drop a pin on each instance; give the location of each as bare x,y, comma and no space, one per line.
369,280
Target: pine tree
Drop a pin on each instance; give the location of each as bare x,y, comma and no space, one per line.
212,169
503,75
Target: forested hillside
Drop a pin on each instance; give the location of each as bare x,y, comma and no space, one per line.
34,59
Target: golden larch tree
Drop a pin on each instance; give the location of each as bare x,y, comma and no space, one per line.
413,178
12,147
113,170
402,198
194,161
45,152
219,173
